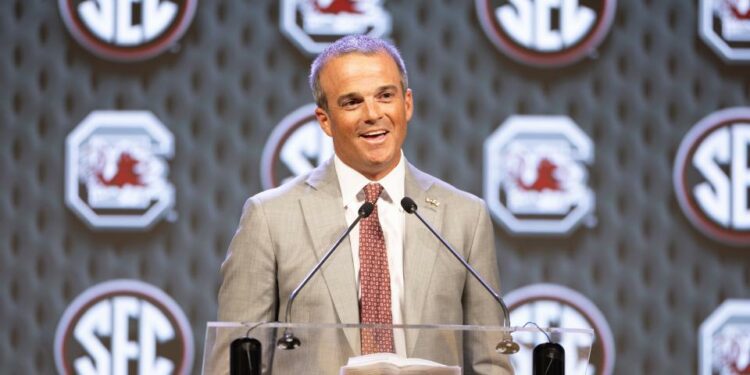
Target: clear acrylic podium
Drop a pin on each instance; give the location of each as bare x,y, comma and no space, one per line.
325,348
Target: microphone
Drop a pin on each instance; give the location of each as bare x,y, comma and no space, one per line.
245,356
288,341
549,359
507,346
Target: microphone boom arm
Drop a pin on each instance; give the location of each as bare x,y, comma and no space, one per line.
471,269
507,345
288,341
315,269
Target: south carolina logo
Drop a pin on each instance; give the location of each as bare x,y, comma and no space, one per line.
724,340
535,175
127,30
123,327
725,26
546,33
116,170
313,24
296,146
711,176
556,306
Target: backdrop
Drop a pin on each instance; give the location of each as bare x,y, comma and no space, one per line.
212,89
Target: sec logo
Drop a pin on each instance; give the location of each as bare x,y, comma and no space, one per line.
122,327
711,176
127,30
546,33
551,305
295,147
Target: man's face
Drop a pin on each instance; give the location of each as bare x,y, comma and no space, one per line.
367,111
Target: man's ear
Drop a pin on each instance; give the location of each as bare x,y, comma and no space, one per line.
323,120
408,104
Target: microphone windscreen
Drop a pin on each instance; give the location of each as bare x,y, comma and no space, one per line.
365,209
408,205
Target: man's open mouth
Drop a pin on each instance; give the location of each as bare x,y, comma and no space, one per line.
374,134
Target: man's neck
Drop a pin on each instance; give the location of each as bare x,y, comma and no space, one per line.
351,181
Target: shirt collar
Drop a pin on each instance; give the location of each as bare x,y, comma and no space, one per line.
352,182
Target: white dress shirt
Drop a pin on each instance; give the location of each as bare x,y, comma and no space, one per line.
391,217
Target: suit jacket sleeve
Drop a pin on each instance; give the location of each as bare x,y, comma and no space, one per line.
479,307
248,291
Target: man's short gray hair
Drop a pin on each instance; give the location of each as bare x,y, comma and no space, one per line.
363,44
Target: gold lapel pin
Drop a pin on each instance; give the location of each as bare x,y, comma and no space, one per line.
433,202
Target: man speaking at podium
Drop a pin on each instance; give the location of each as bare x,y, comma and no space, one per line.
391,270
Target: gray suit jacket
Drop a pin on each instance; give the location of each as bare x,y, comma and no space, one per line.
284,231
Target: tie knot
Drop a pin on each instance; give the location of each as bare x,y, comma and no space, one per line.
372,192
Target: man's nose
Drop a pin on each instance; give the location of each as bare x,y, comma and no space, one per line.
372,111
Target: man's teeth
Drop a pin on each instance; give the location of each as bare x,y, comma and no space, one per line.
374,134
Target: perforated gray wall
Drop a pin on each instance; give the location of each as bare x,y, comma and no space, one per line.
234,76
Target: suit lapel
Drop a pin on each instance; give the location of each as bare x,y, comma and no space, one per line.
420,251
324,216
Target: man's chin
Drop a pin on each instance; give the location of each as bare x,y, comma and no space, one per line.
380,168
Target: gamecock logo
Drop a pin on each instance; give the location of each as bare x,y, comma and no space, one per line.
116,170
313,24
535,175
725,26
724,340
